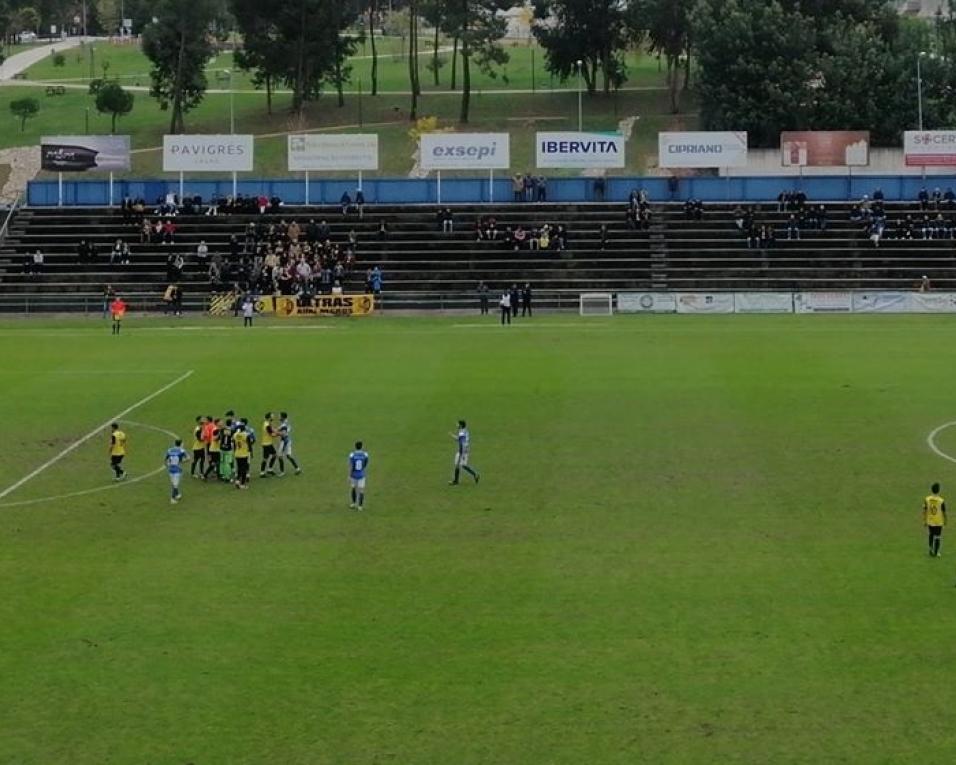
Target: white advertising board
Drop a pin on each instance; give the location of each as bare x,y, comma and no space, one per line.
339,151
933,302
207,153
646,302
823,302
702,149
881,302
580,150
465,151
763,302
929,148
705,302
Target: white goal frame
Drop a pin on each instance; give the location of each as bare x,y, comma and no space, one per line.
596,304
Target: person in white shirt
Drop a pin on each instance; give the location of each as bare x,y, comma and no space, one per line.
336,289
248,310
202,251
37,262
505,304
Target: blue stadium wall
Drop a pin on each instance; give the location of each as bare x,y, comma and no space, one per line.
477,190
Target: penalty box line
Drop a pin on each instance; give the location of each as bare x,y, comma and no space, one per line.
82,440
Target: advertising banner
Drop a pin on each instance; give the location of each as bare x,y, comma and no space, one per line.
702,149
465,151
929,148
646,302
580,150
340,151
326,305
933,302
207,153
825,148
705,302
79,153
763,302
881,302
823,302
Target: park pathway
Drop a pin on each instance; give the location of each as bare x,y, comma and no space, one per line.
20,62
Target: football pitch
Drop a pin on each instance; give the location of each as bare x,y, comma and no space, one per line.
695,540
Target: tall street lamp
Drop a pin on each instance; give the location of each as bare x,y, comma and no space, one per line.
232,107
580,64
919,85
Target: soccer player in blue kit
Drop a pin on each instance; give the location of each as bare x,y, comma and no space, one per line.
463,437
358,464
176,456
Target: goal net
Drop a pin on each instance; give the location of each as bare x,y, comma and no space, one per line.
596,304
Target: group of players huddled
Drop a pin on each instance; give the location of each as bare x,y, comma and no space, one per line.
222,450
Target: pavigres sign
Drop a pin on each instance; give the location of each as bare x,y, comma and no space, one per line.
702,149
465,151
580,150
207,153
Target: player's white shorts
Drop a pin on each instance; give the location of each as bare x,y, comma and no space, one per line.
285,448
357,483
174,479
461,458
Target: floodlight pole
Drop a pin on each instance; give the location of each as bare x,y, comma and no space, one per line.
919,87
580,107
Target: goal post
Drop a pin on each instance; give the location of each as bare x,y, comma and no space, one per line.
597,304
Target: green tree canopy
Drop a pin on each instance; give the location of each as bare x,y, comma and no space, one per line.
112,99
23,109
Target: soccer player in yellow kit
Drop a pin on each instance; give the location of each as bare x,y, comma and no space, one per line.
117,451
269,436
934,518
243,453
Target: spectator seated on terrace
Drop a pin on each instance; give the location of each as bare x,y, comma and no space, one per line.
486,228
791,200
694,209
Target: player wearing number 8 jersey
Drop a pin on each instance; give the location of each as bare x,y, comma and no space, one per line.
934,518
358,464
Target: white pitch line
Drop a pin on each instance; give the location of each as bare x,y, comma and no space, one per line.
931,441
56,458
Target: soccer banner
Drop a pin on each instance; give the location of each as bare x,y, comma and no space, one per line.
881,302
326,305
702,149
207,153
266,304
763,302
222,303
933,302
343,151
705,302
79,153
580,150
825,148
465,151
823,302
646,302
929,148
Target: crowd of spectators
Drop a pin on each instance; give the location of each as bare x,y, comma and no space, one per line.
547,236
638,213
529,188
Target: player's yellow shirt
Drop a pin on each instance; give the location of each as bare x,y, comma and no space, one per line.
214,441
268,437
197,439
118,444
241,442
933,514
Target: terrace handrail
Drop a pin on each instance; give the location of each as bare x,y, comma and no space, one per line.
10,213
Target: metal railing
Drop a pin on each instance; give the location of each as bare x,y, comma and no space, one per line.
10,213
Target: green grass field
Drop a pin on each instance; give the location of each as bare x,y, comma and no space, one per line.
696,540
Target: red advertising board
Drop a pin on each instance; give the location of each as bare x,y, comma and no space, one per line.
825,148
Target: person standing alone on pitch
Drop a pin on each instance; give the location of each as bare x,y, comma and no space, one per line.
934,518
118,311
175,457
358,464
462,453
526,300
117,451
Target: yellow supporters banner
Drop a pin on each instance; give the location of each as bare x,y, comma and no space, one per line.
222,303
326,305
266,304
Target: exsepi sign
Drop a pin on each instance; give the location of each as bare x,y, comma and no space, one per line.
207,153
702,149
929,148
339,151
80,153
465,151
580,150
